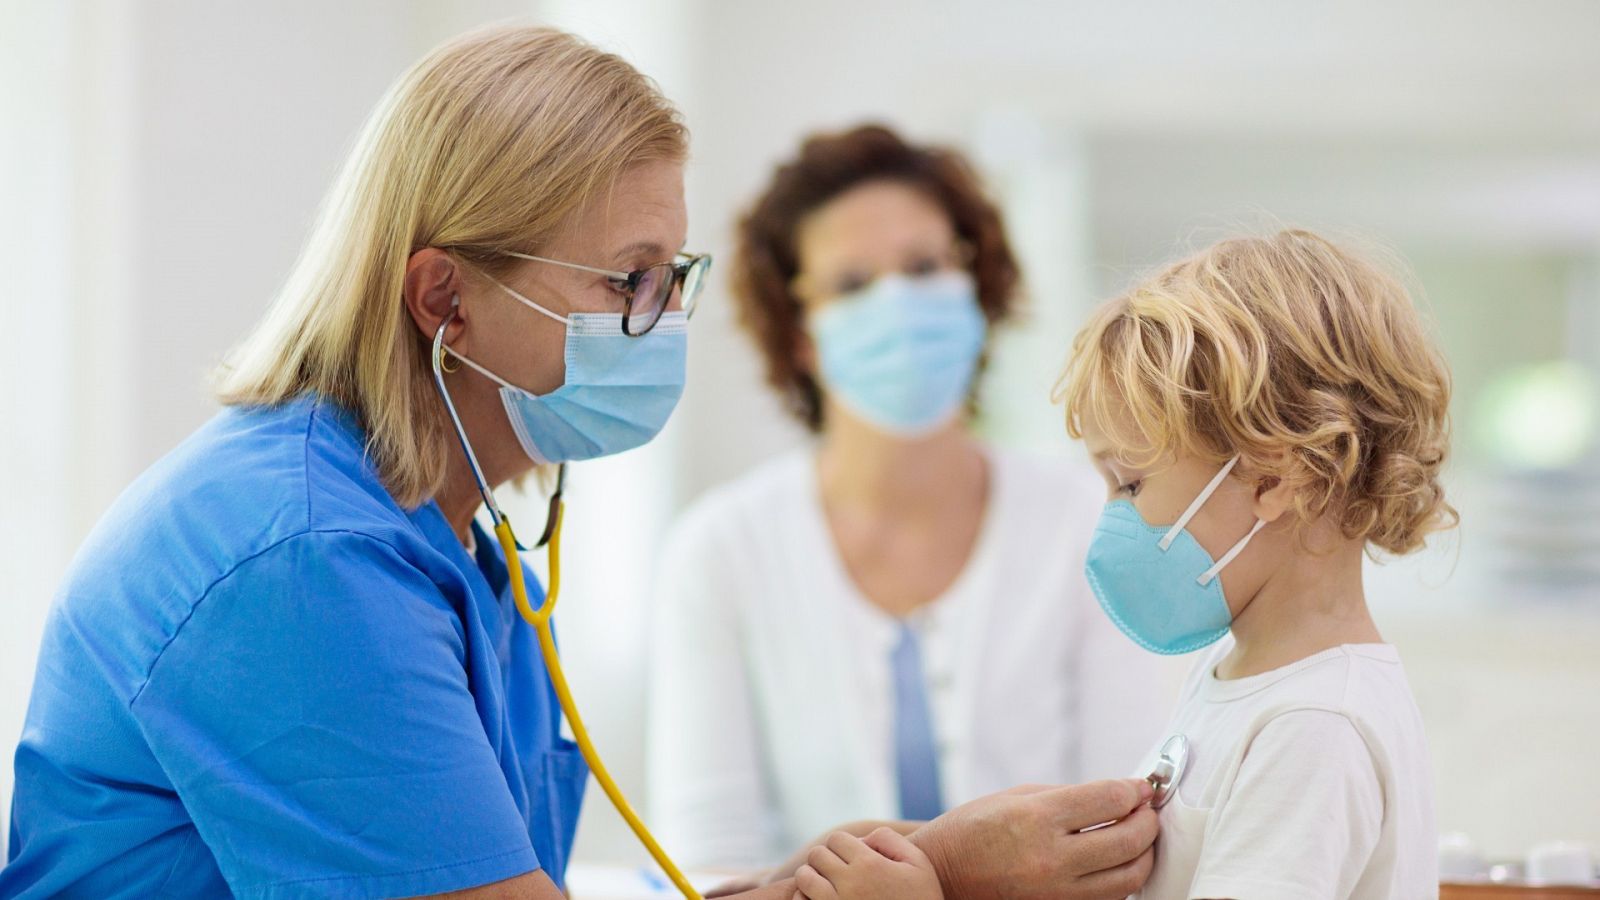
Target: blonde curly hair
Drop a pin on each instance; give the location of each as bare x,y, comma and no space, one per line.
1305,359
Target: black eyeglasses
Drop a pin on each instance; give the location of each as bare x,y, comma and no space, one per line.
648,292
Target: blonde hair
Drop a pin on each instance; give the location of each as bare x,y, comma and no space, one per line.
487,145
1305,359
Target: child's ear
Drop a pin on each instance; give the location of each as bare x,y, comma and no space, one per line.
1274,497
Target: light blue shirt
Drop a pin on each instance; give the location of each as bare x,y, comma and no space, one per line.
263,676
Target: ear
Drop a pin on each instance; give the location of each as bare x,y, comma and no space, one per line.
432,290
1274,496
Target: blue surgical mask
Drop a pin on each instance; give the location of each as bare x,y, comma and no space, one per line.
901,353
618,393
1156,582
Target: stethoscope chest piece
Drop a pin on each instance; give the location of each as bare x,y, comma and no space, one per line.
1169,768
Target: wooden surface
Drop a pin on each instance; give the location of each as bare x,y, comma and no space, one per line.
1508,892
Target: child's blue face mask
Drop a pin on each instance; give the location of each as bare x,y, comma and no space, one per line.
901,352
618,393
1157,583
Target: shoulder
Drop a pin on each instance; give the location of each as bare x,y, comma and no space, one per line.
336,583
1343,704
1347,702
1362,681
259,475
245,484
1309,734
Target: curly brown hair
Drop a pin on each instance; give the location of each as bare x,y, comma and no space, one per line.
766,259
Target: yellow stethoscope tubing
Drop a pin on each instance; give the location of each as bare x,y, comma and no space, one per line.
540,620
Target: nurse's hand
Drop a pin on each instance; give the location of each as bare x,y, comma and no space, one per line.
1030,843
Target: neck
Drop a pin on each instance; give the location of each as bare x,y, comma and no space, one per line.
864,468
1313,604
494,443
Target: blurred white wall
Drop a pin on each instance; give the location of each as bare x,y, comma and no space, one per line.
167,157
35,375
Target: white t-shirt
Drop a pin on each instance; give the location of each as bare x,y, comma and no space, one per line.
1310,781
771,704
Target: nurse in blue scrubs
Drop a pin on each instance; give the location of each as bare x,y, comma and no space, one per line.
286,663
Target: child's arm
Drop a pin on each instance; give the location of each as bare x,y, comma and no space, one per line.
883,866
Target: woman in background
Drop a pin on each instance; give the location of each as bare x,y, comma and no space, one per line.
918,589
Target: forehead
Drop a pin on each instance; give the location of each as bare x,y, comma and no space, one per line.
873,218
644,208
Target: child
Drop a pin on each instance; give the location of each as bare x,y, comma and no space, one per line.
1263,413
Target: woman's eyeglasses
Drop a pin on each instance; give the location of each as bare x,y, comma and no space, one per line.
648,292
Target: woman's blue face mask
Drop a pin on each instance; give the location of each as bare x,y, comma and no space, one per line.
901,353
1158,585
618,393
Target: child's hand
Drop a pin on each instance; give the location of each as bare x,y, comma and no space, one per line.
884,866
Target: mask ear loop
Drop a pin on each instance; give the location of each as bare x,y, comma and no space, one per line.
526,302
1188,514
1211,574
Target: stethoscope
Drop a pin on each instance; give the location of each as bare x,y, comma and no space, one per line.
1168,772
540,618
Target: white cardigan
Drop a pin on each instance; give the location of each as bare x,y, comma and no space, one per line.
770,699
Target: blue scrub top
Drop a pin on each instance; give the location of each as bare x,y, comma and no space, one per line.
264,676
